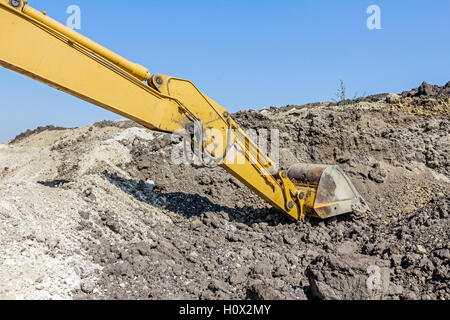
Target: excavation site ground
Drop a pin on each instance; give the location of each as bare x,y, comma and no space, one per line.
101,212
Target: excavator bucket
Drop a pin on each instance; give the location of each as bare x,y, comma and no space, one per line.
334,192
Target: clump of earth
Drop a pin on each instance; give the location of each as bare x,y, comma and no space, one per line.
101,212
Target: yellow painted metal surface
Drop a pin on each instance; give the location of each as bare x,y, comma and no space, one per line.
135,69
39,47
36,51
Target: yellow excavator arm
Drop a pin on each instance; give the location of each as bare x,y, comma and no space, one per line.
33,44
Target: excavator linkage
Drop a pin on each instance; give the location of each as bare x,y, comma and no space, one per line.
35,45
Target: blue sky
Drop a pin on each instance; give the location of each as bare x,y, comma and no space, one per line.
247,54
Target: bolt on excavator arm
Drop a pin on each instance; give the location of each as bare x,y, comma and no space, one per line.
33,44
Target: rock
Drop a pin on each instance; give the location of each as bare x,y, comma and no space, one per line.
150,184
196,224
257,290
348,277
119,269
425,89
426,265
238,276
443,254
193,257
210,244
281,272
392,98
84,215
396,290
408,260
39,279
232,237
377,174
342,156
87,286
262,268
39,286
409,295
346,247
290,238
246,254
177,270
317,237
421,249
144,249
217,285
396,260
393,249
113,225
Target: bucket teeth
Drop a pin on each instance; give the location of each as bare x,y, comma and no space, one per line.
334,193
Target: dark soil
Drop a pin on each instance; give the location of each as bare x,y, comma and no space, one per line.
226,243
427,90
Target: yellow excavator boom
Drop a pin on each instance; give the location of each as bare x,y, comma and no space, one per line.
33,44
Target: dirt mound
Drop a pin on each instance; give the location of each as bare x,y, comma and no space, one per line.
195,233
426,90
28,133
124,124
